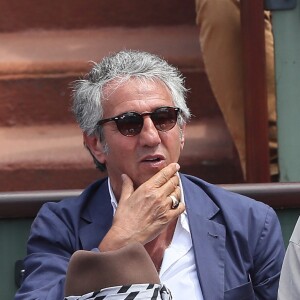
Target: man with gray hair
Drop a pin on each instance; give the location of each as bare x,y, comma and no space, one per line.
204,242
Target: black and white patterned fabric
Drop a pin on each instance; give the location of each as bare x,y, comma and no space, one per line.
128,292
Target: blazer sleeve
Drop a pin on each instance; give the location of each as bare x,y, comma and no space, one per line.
268,257
49,249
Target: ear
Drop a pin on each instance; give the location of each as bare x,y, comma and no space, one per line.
95,147
182,135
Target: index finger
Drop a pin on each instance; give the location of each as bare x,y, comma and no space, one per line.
164,175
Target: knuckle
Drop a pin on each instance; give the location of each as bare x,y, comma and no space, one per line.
160,213
178,193
174,181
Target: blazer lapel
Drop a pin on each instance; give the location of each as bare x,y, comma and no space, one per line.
96,218
208,239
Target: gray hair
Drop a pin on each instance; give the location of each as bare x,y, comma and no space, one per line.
88,93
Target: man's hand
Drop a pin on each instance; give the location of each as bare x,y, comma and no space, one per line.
142,214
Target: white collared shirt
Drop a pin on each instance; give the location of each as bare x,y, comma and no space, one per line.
178,270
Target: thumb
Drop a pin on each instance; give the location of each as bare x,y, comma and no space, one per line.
127,187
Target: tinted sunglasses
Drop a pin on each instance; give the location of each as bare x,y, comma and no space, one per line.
131,123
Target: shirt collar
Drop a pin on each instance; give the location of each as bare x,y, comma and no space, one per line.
113,199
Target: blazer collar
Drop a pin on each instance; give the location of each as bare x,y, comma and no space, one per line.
208,238
97,216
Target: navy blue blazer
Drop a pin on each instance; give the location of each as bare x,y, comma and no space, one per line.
237,241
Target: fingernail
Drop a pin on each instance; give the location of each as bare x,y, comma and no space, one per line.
177,166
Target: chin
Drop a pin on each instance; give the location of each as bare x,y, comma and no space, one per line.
143,179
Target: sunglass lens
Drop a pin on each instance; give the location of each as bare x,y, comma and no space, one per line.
164,118
130,124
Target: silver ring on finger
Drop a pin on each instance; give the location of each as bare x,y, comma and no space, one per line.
175,202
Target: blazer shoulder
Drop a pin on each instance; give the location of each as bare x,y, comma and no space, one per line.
223,198
75,204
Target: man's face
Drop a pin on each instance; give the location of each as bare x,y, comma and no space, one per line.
143,155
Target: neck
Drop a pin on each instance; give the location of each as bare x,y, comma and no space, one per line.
156,248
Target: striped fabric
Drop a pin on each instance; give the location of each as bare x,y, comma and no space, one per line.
128,292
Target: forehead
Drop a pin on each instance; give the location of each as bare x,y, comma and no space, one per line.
136,94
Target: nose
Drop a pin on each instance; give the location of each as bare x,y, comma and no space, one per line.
149,135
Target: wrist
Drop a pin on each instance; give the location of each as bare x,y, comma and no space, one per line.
115,239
